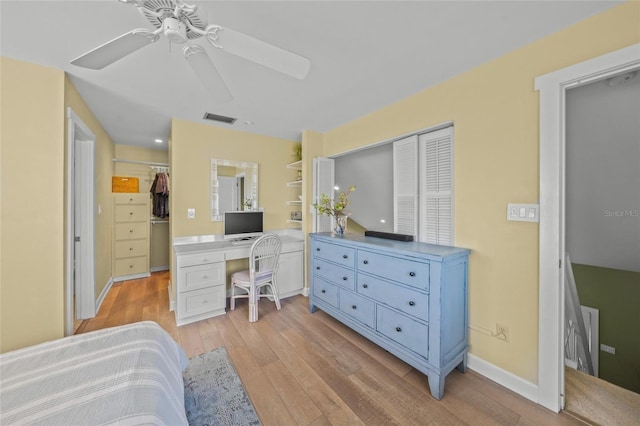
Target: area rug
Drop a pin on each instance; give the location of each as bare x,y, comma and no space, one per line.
213,392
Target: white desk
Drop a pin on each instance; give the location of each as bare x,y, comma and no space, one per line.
201,287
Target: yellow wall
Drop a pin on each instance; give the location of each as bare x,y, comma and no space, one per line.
32,215
104,153
192,147
495,112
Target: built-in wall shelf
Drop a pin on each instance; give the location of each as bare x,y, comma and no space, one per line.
294,183
295,165
294,221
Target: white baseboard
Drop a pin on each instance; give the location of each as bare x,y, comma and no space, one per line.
103,294
504,378
172,302
305,292
159,268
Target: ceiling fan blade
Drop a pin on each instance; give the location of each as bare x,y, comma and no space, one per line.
115,49
207,73
263,53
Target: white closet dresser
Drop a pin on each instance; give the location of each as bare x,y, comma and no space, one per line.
131,236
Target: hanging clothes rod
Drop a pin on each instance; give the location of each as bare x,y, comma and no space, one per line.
148,163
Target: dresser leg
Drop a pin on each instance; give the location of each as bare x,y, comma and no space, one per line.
436,384
312,307
462,367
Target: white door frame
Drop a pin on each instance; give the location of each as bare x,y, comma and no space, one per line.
552,88
80,146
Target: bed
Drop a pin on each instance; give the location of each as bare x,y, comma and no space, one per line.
127,375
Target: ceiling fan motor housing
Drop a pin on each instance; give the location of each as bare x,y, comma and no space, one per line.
174,30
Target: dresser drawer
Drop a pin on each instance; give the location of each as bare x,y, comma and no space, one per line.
131,198
358,307
130,266
409,333
325,291
335,274
132,213
208,275
200,301
343,255
409,272
131,248
131,231
404,299
200,258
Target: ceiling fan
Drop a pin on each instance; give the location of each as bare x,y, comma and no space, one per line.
180,23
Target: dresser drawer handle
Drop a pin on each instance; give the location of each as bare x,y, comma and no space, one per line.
366,262
130,230
398,329
344,278
130,266
205,301
204,277
365,285
130,248
317,248
323,291
130,213
412,274
317,268
354,307
344,256
412,303
205,260
130,199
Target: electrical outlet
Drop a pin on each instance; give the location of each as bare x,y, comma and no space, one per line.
502,332
607,348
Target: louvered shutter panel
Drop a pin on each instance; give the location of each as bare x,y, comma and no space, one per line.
323,183
436,186
405,186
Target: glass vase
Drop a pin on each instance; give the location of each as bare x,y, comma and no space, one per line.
341,225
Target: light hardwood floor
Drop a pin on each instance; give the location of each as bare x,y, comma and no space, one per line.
308,369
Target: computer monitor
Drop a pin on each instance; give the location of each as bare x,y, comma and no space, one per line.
238,225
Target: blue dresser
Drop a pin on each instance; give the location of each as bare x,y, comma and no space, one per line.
408,297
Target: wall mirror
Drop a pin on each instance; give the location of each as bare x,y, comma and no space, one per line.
234,187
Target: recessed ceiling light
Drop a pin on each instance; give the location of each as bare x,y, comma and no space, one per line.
158,140
248,122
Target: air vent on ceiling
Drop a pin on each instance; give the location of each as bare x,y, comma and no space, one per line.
220,118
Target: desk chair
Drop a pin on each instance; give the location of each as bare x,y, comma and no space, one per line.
263,267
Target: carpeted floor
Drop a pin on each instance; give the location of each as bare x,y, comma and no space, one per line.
213,392
598,401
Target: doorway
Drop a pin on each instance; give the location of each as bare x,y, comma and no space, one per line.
552,88
80,223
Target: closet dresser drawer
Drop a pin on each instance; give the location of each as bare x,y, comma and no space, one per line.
132,266
131,229
133,213
131,248
404,297
131,198
201,276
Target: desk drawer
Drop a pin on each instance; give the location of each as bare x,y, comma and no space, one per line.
200,258
132,213
200,301
131,248
208,275
358,308
398,327
334,253
409,301
405,271
130,266
335,274
131,231
325,291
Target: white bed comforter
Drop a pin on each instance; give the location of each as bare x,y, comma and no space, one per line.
123,375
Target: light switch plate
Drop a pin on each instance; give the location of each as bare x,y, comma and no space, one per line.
523,212
191,213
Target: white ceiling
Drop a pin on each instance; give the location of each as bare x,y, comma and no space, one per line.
364,55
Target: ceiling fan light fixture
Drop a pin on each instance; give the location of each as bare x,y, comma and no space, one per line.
174,30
